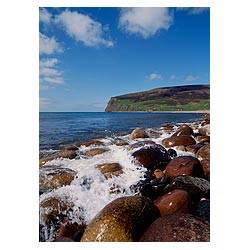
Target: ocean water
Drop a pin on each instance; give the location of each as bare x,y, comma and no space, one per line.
56,128
90,191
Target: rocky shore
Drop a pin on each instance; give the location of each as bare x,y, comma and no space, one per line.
170,204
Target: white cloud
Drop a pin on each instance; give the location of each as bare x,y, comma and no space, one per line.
48,45
56,80
43,102
49,62
145,22
84,29
190,78
153,76
44,16
193,11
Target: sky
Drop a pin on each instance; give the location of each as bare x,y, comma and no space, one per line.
88,55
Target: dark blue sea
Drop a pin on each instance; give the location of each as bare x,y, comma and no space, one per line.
62,128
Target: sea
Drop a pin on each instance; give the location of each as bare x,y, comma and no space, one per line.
90,190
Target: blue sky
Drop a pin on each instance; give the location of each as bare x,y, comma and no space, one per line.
87,55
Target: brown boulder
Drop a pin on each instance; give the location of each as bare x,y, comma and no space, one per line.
124,219
158,174
204,153
184,165
122,143
184,130
95,151
177,201
110,169
183,140
203,138
73,148
138,133
152,157
206,166
205,130
91,143
194,148
177,228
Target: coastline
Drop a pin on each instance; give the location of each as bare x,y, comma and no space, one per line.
174,111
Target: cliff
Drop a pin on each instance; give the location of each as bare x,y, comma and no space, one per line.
175,98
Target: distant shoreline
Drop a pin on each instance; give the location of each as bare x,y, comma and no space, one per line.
177,111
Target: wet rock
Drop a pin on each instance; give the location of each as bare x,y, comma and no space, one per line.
54,177
206,166
173,141
73,148
124,219
184,165
158,173
172,153
91,143
196,187
203,139
177,228
95,151
140,144
203,153
158,186
184,129
168,128
177,201
147,190
205,130
202,210
152,157
70,154
138,133
153,134
121,143
194,148
110,169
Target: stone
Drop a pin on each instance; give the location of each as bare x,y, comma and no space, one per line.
63,239
177,201
152,157
203,153
138,133
203,138
158,173
140,144
95,151
123,220
172,153
70,154
110,169
73,148
55,177
196,187
91,143
177,228
206,166
168,128
121,143
194,148
183,140
184,165
202,210
184,129
205,130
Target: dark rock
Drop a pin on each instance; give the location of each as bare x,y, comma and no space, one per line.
184,165
152,157
177,228
177,201
158,173
63,239
124,219
148,191
138,133
203,138
203,153
195,186
73,148
110,169
173,141
194,148
206,166
184,130
172,153
202,210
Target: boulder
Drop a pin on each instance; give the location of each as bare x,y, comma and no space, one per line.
152,157
138,133
203,138
124,219
158,173
73,148
183,140
91,143
184,129
95,151
110,169
194,148
121,143
177,228
206,166
184,165
203,153
205,130
177,201
202,210
140,144
54,177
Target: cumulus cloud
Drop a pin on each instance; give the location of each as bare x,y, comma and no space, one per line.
44,16
48,45
49,73
84,29
194,10
145,22
153,76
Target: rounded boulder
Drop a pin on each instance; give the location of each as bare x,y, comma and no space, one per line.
123,220
182,140
138,133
